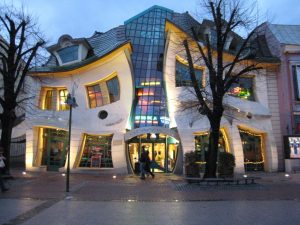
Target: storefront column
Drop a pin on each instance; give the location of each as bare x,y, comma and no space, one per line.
237,149
270,154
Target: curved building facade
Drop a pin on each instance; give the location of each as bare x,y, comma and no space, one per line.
128,83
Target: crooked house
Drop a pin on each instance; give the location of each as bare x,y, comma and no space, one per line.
128,83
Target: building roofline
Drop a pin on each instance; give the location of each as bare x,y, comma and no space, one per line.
145,11
77,66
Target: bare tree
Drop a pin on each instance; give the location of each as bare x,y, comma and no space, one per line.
227,16
20,41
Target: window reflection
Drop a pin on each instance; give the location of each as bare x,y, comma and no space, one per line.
68,54
183,75
99,95
243,88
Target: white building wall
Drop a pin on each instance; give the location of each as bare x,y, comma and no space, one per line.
84,119
189,122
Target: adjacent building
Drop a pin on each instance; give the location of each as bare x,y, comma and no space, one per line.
128,83
284,42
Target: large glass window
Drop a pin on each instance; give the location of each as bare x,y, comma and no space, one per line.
182,75
68,54
113,89
147,37
202,141
96,151
252,148
296,75
242,88
53,98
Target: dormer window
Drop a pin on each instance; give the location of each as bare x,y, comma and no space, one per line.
69,50
68,54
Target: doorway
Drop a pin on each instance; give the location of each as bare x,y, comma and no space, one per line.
162,149
55,144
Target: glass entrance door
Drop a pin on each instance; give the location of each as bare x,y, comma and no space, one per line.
162,152
56,149
159,153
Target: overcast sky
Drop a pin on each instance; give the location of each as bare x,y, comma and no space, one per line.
81,18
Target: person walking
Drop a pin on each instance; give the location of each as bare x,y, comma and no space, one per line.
142,161
2,169
147,165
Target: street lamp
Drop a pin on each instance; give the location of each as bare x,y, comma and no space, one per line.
71,102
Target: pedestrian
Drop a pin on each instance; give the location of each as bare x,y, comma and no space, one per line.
2,169
147,165
142,161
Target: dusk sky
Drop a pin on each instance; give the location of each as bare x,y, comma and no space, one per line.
81,18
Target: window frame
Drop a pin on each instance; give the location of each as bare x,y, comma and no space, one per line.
75,57
187,83
54,100
252,94
296,82
105,92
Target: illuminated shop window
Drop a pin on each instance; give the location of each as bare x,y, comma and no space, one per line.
53,98
68,54
202,141
243,88
104,92
253,150
96,151
296,75
183,75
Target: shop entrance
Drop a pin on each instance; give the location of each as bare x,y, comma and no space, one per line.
162,152
55,144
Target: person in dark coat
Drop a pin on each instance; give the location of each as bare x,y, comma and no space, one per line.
2,169
147,165
142,161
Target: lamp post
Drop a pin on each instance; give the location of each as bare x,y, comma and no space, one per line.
71,102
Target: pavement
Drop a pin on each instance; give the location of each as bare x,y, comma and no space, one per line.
41,198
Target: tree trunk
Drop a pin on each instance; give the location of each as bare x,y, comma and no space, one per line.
212,154
7,124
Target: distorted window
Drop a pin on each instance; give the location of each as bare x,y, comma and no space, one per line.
113,89
242,88
63,93
96,152
182,75
68,54
95,96
53,98
48,100
296,75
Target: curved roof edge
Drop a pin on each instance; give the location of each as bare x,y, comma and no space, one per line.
79,65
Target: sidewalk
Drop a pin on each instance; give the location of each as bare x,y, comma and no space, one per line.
40,198
165,187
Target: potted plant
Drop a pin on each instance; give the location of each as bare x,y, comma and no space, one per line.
191,167
226,164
